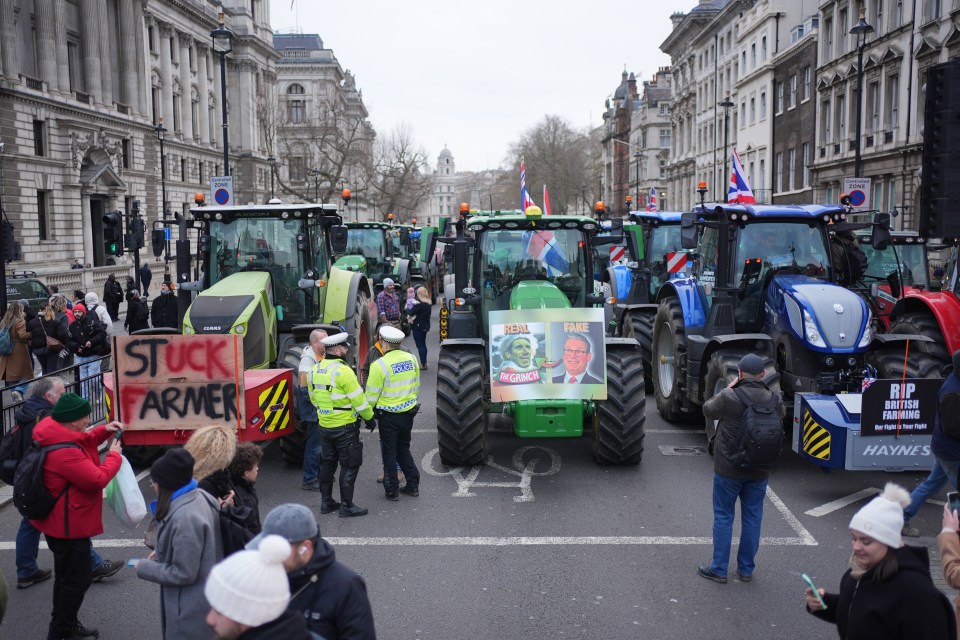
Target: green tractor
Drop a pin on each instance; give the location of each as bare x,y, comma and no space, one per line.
499,267
370,250
413,243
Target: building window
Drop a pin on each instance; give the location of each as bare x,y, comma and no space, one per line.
665,138
842,30
43,215
763,105
878,16
931,10
753,55
211,122
200,171
826,119
39,139
753,110
125,146
195,116
779,169
807,82
873,107
892,102
743,114
176,111
793,91
828,39
806,164
898,14
841,128
792,161
183,169
298,169
295,111
762,178
152,38
75,64
780,97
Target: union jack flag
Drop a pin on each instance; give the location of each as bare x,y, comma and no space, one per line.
525,199
739,191
652,202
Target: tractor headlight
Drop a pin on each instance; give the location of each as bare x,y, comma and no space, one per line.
187,330
868,332
239,329
810,330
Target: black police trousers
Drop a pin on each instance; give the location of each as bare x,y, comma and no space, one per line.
340,445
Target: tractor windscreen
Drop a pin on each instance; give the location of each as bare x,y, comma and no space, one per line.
262,244
513,256
665,239
792,247
369,243
883,264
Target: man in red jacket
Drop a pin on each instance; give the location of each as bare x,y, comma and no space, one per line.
76,475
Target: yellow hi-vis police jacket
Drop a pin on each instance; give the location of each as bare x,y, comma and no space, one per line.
394,382
336,394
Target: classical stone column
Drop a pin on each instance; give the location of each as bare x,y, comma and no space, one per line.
218,110
203,56
60,35
106,66
86,221
90,32
142,68
8,42
186,119
245,117
46,43
129,28
166,74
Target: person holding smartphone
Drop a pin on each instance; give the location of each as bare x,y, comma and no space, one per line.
886,592
949,541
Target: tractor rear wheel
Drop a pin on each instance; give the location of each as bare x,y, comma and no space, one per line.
723,369
888,361
361,330
292,444
639,326
669,349
924,324
618,430
461,417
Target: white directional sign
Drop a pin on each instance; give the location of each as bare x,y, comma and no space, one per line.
859,191
221,190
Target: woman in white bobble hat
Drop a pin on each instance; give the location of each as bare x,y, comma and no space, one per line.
248,594
887,592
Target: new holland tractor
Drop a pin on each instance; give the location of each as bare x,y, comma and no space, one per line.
761,284
497,266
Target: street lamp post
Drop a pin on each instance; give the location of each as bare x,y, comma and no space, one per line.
861,30
161,131
273,171
223,44
726,104
315,173
637,155
583,197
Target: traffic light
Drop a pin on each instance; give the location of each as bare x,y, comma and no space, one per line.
137,232
11,248
157,241
113,233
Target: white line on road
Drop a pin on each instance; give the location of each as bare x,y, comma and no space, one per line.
791,519
840,503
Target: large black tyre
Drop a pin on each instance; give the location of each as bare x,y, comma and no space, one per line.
924,324
722,369
888,361
362,331
461,417
669,348
639,326
618,428
292,445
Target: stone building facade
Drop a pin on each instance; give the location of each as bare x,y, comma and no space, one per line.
794,119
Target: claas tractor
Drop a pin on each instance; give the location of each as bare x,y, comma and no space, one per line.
514,262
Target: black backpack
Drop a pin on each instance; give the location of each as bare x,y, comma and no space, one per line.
761,434
11,451
949,414
30,495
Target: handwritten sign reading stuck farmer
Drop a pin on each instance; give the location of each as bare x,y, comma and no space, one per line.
179,382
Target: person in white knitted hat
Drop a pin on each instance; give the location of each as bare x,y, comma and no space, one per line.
248,594
887,591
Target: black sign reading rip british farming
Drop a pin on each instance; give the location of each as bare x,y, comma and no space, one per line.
899,407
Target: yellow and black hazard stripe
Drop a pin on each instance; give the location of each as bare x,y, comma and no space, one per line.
816,439
275,405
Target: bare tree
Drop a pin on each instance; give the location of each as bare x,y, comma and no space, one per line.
399,183
558,156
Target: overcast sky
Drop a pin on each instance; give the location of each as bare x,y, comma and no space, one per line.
473,76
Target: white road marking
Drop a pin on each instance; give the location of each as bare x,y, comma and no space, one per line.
466,477
840,503
805,536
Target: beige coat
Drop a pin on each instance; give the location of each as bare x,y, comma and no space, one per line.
950,559
18,365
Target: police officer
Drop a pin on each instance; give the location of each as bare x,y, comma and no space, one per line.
339,399
392,389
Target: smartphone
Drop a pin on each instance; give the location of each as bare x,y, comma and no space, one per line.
953,499
118,434
813,588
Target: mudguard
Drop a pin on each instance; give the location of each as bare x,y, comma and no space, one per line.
402,269
621,279
342,289
942,305
351,263
687,292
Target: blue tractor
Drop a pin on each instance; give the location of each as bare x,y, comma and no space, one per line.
761,283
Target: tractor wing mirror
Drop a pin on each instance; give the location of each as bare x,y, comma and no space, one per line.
338,239
688,230
634,245
894,281
431,247
880,234
599,241
404,236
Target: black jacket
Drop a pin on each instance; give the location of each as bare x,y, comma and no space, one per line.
289,626
727,408
421,316
28,414
112,292
90,329
56,328
336,605
905,606
137,315
163,311
245,495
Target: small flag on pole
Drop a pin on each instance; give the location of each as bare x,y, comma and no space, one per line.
525,199
652,203
739,191
546,201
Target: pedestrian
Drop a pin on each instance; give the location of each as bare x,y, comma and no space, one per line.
411,300
392,390
77,477
88,343
949,541
62,307
373,354
18,365
138,316
146,277
887,592
388,305
330,597
42,328
730,480
339,400
945,442
43,395
244,469
28,313
932,485
78,296
129,285
213,448
420,319
248,595
312,354
163,310
112,296
92,302
76,264
188,546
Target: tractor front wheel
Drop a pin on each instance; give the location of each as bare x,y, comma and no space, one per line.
669,351
723,369
924,324
618,429
639,326
461,417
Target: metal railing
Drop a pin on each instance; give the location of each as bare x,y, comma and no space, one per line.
90,387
